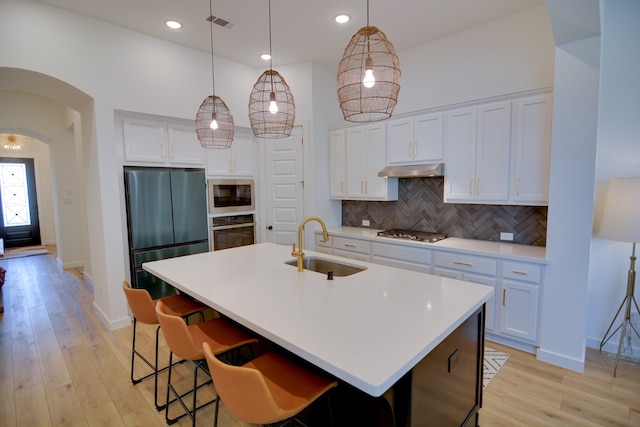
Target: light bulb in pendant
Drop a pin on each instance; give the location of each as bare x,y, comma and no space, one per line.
273,107
214,122
368,81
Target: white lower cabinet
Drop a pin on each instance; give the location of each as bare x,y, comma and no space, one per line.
470,269
512,314
520,300
409,258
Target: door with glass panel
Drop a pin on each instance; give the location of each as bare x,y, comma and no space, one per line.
19,207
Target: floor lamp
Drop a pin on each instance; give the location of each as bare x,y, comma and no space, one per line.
621,221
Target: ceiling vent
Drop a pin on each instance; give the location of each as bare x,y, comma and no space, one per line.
221,22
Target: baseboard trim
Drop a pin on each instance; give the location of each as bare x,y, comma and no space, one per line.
560,360
112,325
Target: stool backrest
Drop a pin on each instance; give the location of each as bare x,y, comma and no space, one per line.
177,335
244,391
142,305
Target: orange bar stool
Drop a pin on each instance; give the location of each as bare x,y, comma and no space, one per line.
186,342
270,389
143,309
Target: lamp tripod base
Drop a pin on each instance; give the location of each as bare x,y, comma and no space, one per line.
626,327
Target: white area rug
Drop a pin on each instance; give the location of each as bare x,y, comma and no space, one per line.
22,252
493,361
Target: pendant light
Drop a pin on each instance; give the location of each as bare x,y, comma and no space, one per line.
12,144
271,106
214,122
368,76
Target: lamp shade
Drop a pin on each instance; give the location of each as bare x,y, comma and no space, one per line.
213,107
271,89
369,51
621,216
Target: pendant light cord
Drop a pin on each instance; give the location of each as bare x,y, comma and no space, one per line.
270,56
213,78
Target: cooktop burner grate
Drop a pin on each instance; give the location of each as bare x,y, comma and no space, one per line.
420,236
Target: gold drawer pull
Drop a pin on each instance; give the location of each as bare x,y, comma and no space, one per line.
504,297
468,264
519,272
349,245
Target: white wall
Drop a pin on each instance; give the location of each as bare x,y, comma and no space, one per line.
618,156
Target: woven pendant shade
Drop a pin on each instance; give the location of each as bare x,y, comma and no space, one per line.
222,137
271,86
369,48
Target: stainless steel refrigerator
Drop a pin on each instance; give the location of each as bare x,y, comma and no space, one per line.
166,218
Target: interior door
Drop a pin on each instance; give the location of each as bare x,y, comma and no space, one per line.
19,207
284,185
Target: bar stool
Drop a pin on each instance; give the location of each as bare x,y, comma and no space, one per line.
186,341
143,309
269,389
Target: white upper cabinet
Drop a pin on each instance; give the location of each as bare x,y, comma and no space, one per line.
478,141
415,140
337,171
149,141
532,149
365,157
238,160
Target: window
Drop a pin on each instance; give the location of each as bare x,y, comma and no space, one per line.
15,197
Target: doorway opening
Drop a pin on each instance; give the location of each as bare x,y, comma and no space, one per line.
19,225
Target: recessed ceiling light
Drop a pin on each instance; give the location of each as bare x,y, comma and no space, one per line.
265,56
174,25
342,19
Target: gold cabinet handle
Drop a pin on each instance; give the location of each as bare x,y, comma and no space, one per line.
415,148
468,264
409,148
504,297
366,187
524,273
235,166
173,155
478,186
347,245
162,151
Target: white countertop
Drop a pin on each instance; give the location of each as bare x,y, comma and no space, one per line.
367,329
471,246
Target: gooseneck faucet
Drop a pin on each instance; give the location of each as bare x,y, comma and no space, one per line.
298,253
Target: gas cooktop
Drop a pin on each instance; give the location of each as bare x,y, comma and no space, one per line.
419,236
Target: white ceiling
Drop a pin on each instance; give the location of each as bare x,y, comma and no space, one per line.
302,30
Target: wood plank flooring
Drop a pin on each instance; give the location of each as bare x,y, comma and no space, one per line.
59,365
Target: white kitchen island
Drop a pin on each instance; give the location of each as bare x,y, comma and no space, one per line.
369,329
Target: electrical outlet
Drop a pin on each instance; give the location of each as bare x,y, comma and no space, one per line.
506,236
365,223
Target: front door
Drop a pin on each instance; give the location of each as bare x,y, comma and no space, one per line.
284,185
19,225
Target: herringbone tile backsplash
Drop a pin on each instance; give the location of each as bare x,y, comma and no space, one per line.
420,207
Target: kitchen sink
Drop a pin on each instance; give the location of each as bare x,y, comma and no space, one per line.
322,265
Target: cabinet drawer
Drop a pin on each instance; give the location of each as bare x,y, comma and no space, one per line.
468,263
352,245
402,253
352,255
319,241
521,271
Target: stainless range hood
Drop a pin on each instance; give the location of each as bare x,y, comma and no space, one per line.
413,171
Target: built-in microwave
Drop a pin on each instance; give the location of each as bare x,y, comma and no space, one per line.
231,195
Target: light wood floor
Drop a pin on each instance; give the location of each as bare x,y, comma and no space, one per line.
59,365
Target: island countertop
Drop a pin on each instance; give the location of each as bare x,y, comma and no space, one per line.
367,329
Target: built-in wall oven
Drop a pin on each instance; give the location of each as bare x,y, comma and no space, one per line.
231,231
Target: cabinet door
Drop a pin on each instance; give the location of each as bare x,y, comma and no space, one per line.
519,310
428,138
400,141
337,164
184,147
493,144
532,149
144,140
460,170
490,311
219,161
375,187
243,154
355,161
